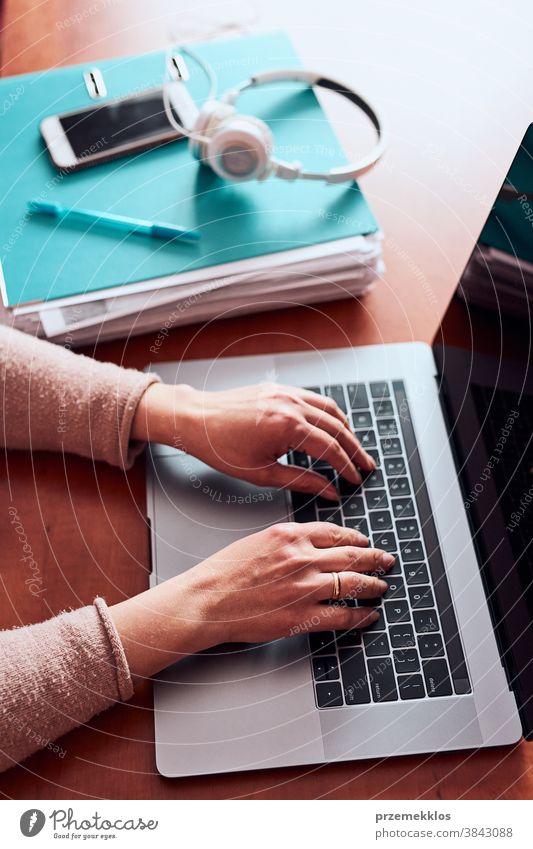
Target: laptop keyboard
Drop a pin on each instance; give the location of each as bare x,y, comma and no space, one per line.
414,650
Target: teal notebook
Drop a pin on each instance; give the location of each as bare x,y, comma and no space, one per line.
42,261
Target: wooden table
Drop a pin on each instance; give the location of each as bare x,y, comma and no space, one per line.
455,85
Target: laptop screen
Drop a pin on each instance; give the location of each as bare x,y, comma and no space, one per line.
483,350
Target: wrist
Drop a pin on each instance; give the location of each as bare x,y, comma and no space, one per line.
160,627
166,414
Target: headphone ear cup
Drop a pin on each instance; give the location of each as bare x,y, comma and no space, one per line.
240,149
211,116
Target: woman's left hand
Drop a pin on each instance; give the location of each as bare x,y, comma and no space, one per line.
243,432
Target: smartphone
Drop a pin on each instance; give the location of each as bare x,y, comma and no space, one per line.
86,137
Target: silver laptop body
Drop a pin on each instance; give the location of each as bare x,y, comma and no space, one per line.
255,706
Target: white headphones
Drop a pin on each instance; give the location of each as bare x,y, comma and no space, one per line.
239,147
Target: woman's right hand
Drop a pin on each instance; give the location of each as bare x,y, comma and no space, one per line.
262,587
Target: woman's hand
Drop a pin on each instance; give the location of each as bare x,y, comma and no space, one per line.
243,432
262,587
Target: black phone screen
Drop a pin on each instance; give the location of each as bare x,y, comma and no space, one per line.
119,123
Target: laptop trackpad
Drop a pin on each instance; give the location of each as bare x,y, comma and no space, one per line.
196,511
236,707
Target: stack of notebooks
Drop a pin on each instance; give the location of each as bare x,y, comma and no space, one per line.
263,245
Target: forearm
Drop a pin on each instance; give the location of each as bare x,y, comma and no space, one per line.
56,675
55,400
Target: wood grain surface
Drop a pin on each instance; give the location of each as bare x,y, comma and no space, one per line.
455,86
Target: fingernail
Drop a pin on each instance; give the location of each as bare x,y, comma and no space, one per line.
387,559
372,462
374,616
383,586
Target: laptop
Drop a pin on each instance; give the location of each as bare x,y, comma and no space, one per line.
449,663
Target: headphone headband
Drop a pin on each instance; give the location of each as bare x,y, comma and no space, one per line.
293,170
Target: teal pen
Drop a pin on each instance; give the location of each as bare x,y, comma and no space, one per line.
155,229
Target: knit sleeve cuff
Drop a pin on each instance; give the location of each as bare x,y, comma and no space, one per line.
124,682
131,386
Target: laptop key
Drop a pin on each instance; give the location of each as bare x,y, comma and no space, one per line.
376,499
354,506
367,438
382,680
402,636
346,639
380,520
362,418
383,408
399,486
421,597
392,445
357,396
333,515
348,489
303,506
395,466
430,645
407,529
397,611
336,392
385,541
396,587
376,645
354,677
322,503
437,679
358,524
329,694
298,458
369,602
425,621
411,551
325,668
374,480
387,427
322,642
416,573
411,687
402,507
380,389
406,661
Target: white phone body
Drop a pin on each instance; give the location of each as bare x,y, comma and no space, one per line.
65,158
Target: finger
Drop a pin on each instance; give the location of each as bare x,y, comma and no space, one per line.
322,446
353,585
340,618
344,435
324,402
353,558
301,480
329,535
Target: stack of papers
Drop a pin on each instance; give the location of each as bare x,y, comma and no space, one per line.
263,244
337,270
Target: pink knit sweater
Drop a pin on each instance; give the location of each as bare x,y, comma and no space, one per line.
58,674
